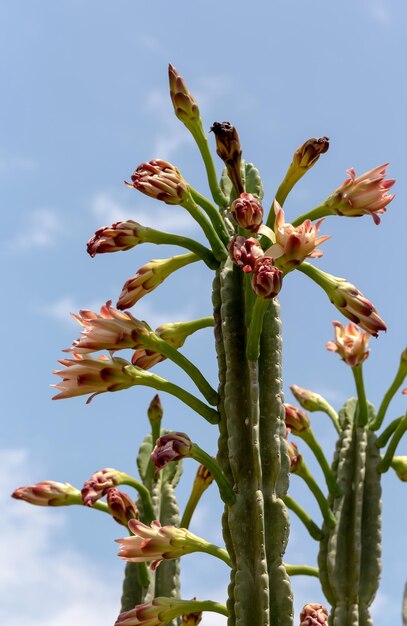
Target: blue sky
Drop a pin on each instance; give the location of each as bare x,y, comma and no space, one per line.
85,100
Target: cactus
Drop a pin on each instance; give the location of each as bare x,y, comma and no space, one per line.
251,257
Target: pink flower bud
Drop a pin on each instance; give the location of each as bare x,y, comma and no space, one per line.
110,330
48,493
146,359
119,236
267,279
244,251
352,304
83,375
363,195
185,105
247,211
309,400
161,180
294,456
171,447
350,343
100,483
155,409
296,419
152,613
313,615
294,243
203,479
121,506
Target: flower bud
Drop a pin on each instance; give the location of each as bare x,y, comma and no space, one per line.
296,419
119,236
203,479
350,343
149,277
228,149
48,493
83,375
404,391
399,464
99,484
308,154
309,400
149,614
110,330
247,211
267,279
191,619
313,615
155,409
294,456
244,251
161,180
185,105
294,243
171,447
146,359
121,506
363,195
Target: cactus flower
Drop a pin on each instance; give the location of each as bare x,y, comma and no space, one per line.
363,195
244,251
294,243
121,506
161,180
110,330
155,543
48,493
313,615
100,483
247,211
267,279
171,447
149,277
296,419
228,149
83,375
350,343
119,236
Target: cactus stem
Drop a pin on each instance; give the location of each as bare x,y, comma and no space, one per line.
256,325
314,530
391,450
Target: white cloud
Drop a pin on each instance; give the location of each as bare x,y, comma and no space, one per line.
45,583
379,11
167,218
40,230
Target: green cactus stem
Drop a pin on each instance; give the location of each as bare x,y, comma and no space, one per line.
392,447
314,530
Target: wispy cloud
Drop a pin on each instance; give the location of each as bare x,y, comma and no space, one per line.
378,11
40,229
108,210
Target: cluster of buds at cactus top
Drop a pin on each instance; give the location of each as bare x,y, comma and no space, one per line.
350,343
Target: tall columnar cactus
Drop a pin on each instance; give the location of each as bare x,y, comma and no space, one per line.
251,254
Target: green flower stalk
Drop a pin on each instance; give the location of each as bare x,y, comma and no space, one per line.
394,441
161,611
311,401
202,481
391,392
314,530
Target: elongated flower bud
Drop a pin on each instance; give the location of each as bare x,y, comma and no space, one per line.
228,149
155,543
155,409
309,400
149,277
109,330
118,236
363,195
399,464
247,211
161,180
308,154
296,419
203,479
121,506
350,343
244,251
146,359
84,375
294,456
185,105
171,447
48,493
99,484
294,243
267,279
313,615
161,611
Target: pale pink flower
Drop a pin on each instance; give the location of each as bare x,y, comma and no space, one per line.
247,211
110,330
313,614
267,279
294,243
350,343
48,493
244,251
87,374
155,543
118,236
365,194
161,180
170,447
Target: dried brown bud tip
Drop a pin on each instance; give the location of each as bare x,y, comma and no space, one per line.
228,149
308,154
